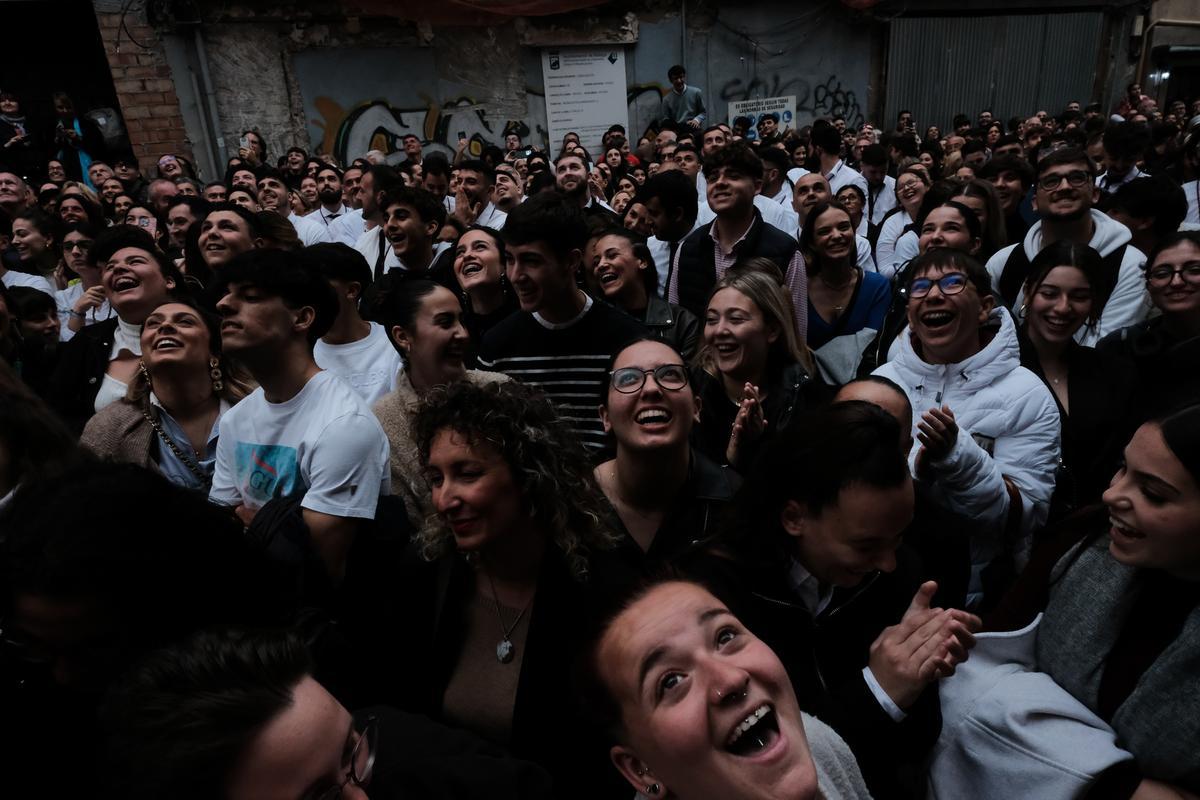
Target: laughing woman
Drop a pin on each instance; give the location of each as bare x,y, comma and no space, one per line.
700,708
171,417
96,367
479,270
505,572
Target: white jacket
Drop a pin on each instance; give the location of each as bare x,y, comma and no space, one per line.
1129,302
1008,427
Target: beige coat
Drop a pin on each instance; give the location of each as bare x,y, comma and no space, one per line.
120,433
395,412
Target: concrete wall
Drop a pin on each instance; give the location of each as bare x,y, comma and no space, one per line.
348,85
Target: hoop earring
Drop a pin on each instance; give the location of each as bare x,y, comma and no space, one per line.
214,372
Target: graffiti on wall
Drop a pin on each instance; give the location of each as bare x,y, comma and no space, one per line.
823,99
377,125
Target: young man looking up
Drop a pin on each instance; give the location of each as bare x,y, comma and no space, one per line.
571,178
1064,199
683,105
273,196
354,349
371,239
881,187
828,143
412,148
562,339
329,191
737,232
776,187
412,219
510,188
303,432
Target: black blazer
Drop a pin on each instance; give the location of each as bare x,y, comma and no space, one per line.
76,381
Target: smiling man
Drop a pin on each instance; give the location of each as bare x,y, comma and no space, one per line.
412,218
683,105
1064,199
562,339
273,196
303,433
226,231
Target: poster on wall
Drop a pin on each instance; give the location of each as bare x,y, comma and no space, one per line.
782,108
585,93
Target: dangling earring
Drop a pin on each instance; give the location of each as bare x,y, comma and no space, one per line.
215,373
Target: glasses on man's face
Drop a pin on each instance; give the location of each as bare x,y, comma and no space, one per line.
671,377
1075,179
949,284
361,763
1161,276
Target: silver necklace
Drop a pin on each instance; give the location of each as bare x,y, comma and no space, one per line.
504,648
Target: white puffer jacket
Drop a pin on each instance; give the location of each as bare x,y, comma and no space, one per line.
1008,427
1129,302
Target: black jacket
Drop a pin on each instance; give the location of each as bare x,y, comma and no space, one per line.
789,395
825,657
1168,367
673,325
76,381
411,637
697,260
695,517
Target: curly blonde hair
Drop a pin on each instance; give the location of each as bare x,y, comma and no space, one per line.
549,464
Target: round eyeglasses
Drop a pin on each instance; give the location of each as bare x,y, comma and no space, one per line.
361,764
671,377
948,284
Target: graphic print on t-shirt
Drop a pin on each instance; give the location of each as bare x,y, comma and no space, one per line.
267,471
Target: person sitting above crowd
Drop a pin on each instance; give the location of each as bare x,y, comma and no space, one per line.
666,495
690,696
626,276
96,367
303,435
1094,390
170,418
488,297
425,324
512,491
813,563
1166,348
756,376
1063,200
987,434
561,338
354,349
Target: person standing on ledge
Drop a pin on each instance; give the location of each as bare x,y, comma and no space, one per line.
684,104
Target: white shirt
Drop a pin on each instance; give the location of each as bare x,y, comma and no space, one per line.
1110,185
368,366
66,299
348,227
491,217
438,249
310,231
1192,190
842,176
784,197
327,218
782,217
323,443
13,278
369,243
661,252
883,202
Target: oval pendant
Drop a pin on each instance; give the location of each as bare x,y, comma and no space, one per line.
504,651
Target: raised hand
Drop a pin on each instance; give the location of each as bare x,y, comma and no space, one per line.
937,431
748,425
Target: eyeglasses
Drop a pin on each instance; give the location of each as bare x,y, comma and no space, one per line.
1163,275
949,284
362,759
83,245
1075,179
671,377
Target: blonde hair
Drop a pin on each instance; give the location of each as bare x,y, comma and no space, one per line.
75,187
761,280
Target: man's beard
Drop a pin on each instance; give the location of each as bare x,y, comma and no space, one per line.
579,191
330,196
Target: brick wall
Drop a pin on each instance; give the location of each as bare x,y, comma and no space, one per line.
145,90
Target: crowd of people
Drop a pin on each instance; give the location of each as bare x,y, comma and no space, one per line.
711,463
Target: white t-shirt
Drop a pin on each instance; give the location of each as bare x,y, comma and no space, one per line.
309,231
369,243
324,443
368,366
13,278
348,227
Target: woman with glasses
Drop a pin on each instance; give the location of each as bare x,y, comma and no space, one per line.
238,715
985,429
1166,348
84,301
479,628
665,495
1094,390
755,375
854,201
911,185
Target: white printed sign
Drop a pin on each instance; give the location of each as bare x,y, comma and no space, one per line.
585,93
783,109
